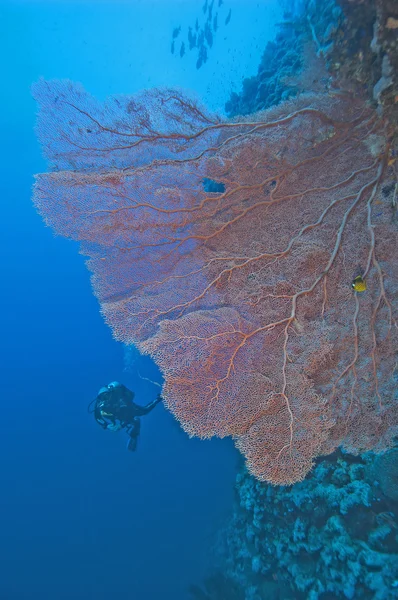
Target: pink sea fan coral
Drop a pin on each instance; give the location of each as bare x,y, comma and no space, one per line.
243,296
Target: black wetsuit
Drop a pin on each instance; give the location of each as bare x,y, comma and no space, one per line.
114,408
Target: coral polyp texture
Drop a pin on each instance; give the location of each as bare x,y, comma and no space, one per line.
227,249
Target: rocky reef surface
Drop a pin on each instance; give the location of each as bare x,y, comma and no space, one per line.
333,535
356,39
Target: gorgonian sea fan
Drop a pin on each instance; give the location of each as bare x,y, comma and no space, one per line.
226,249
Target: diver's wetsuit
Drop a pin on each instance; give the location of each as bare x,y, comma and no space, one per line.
114,409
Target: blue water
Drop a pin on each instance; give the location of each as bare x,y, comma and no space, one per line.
81,518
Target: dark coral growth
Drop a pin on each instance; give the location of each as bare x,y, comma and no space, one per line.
358,39
281,60
334,535
367,52
385,471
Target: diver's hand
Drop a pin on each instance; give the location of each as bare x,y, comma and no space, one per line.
114,427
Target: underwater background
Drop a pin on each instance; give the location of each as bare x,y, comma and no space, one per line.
181,518
80,516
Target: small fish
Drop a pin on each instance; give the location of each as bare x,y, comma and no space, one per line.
202,57
208,35
176,32
191,38
359,284
210,16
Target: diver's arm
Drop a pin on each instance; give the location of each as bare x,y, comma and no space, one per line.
139,411
99,418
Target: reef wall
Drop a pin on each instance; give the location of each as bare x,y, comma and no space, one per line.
334,535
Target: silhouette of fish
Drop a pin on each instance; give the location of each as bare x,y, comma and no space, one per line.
210,11
182,49
208,35
202,58
191,39
176,32
227,20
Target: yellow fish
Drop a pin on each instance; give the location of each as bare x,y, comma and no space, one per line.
359,284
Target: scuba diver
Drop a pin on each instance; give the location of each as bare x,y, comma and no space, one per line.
114,409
